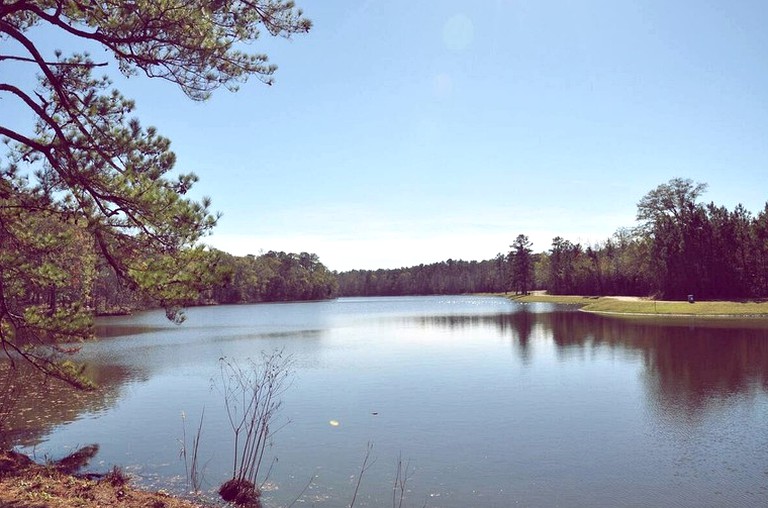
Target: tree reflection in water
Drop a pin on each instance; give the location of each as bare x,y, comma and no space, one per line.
42,404
690,364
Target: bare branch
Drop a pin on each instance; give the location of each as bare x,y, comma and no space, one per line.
89,65
363,468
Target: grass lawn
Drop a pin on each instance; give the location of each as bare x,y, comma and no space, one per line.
615,305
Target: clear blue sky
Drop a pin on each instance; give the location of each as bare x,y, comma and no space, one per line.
403,132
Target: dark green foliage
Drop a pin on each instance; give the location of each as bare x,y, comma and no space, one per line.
681,247
87,192
521,260
273,277
564,266
445,278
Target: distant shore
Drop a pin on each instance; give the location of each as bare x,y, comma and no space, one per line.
636,306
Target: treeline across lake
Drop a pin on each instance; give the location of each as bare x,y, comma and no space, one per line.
270,277
679,247
445,278
273,277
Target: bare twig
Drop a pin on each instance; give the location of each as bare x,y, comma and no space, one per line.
365,467
399,486
312,479
183,443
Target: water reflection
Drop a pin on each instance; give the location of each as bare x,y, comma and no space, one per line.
44,404
103,329
542,403
136,349
690,365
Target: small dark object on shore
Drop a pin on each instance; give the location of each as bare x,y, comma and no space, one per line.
77,460
240,492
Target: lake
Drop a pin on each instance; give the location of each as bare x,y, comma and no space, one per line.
492,403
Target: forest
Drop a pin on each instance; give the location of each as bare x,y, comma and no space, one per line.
678,247
270,277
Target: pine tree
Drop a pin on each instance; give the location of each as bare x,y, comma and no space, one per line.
87,181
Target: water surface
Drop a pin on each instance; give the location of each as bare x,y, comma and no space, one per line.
494,403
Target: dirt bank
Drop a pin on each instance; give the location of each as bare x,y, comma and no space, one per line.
25,484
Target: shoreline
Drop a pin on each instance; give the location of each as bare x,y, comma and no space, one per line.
27,484
625,306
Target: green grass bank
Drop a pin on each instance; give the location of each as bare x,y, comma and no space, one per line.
642,306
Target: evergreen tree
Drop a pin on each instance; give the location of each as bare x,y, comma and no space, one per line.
87,178
522,264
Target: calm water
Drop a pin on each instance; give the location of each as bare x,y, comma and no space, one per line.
494,403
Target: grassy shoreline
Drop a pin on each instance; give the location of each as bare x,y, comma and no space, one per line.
646,307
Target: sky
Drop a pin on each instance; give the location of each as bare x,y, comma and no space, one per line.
401,132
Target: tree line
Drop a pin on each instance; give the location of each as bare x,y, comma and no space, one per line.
513,271
270,277
449,277
446,277
678,247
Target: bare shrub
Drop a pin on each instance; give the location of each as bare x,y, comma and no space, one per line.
116,477
252,398
403,473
